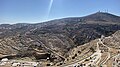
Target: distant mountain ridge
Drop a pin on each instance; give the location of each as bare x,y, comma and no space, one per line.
98,16
101,16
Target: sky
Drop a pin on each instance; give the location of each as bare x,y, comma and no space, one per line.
36,11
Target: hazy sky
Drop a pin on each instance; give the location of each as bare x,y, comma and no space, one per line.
34,11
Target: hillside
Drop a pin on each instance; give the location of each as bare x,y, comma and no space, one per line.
55,37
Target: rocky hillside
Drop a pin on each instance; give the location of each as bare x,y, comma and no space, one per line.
55,37
113,41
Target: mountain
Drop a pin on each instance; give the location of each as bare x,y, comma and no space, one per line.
105,17
56,37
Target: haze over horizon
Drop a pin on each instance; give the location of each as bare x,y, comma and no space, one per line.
35,11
